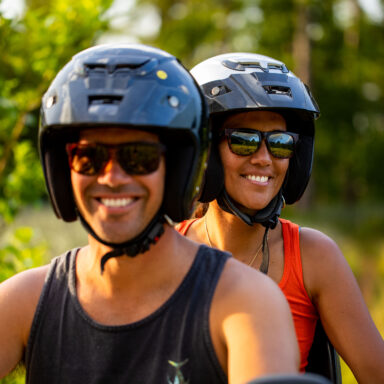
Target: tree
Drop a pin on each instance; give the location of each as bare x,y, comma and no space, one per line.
329,44
33,49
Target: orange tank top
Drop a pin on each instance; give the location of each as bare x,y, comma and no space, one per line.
292,284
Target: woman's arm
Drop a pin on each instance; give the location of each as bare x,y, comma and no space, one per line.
334,291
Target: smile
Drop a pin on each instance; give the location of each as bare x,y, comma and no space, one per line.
260,179
116,203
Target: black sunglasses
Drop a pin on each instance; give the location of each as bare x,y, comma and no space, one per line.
135,158
246,141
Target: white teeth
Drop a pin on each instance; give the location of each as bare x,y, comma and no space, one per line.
116,203
260,179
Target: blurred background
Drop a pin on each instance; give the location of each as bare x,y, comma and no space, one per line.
335,46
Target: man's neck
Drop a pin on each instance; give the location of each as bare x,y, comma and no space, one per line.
131,288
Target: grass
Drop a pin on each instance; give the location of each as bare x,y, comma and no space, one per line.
58,235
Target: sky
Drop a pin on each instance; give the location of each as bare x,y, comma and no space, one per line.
372,7
11,8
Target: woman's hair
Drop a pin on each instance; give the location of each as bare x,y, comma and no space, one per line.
200,210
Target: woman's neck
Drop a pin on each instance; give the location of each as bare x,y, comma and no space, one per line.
226,231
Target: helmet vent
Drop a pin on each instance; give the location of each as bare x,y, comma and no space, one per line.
102,68
105,99
95,68
278,90
242,65
277,66
128,66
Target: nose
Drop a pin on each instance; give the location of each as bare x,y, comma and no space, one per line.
261,156
113,175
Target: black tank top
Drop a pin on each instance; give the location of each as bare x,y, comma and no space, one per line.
170,346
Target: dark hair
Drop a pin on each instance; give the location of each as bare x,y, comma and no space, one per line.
200,210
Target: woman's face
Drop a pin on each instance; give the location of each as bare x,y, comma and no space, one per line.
254,180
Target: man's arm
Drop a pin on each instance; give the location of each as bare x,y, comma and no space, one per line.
251,325
19,296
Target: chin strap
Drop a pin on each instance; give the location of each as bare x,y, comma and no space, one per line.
133,247
265,262
268,217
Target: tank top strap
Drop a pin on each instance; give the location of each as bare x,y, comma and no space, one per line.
58,267
183,226
292,284
293,270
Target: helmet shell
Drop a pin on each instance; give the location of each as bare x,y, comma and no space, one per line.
240,82
128,86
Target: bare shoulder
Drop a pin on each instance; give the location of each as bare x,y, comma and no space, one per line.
26,282
241,285
310,238
318,249
19,294
251,322
322,260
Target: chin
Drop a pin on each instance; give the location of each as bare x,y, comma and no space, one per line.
116,236
250,209
250,212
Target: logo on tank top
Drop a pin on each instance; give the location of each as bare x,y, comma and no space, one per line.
178,378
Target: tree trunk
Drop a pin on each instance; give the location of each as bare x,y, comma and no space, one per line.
301,51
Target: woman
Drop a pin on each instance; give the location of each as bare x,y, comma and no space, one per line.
262,119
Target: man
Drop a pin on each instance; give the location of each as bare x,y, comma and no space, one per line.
123,148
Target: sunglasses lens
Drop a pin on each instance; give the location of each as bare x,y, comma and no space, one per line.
139,158
281,145
244,143
87,160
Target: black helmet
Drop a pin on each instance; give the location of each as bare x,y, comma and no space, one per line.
129,86
240,82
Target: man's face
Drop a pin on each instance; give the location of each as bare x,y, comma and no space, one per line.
118,206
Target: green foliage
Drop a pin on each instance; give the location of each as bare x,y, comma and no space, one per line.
25,185
20,253
330,45
17,376
34,48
